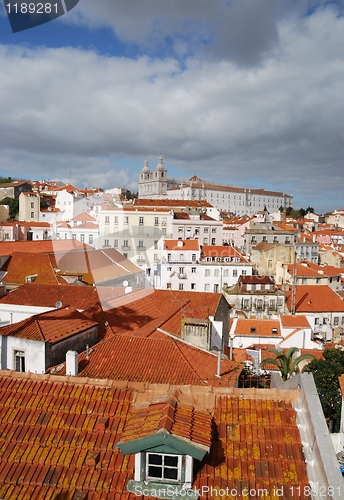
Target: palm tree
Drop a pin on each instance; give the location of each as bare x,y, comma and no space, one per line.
285,362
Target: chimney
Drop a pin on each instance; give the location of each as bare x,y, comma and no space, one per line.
72,363
284,220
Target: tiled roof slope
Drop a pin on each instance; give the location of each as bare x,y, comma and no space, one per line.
51,326
132,315
43,246
84,298
178,419
23,264
152,360
311,299
58,441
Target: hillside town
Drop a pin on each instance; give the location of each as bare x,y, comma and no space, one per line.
160,344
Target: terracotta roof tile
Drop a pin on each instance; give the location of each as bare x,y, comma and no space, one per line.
52,326
319,298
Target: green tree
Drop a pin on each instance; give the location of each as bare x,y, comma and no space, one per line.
5,180
13,204
285,362
326,372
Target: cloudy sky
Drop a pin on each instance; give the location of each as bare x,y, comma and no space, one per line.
245,92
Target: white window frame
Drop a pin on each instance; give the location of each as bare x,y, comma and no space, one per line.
178,467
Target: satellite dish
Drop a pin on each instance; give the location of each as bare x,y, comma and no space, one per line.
58,304
125,283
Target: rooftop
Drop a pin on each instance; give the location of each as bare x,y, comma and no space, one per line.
58,436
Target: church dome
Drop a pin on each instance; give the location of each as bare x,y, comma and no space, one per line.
160,165
145,168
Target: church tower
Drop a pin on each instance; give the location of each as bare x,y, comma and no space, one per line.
153,184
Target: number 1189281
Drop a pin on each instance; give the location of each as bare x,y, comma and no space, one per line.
32,8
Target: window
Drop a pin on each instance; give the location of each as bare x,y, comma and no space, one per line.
193,270
207,272
126,220
141,244
235,273
325,321
193,257
32,205
74,236
181,257
141,221
213,241
316,321
168,285
206,287
156,245
32,215
243,272
90,239
181,286
163,467
107,219
216,288
213,229
225,273
181,270
125,243
206,230
115,243
336,321
164,221
304,281
180,229
116,220
216,273
156,221
205,241
82,238
193,286
106,243
155,257
19,361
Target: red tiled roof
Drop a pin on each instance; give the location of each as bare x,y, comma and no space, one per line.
311,299
43,246
51,326
293,321
58,439
20,265
178,419
140,360
221,251
84,216
263,327
181,245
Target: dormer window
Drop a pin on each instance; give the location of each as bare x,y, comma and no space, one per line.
163,467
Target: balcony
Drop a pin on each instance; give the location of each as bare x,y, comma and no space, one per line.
140,260
182,276
125,248
140,249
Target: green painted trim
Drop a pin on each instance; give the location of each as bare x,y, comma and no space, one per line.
165,440
161,490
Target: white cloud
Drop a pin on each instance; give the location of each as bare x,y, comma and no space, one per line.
280,120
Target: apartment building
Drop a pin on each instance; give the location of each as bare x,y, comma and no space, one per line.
186,265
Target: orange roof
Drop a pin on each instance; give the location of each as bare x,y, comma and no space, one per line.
182,420
181,244
52,326
294,321
21,265
312,299
42,246
58,438
257,327
124,357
